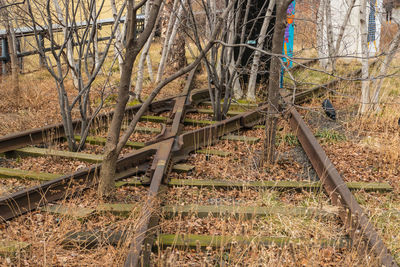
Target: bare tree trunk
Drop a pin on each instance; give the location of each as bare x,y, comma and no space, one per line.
394,46
341,33
133,47
169,41
148,44
365,94
329,31
12,48
273,89
177,58
321,39
231,26
114,143
95,39
251,91
119,36
70,49
145,55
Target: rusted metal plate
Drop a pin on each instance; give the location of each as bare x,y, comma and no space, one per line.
356,222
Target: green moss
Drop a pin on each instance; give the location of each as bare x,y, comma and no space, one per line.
330,135
289,139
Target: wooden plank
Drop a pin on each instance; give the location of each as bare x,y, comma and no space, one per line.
120,209
21,174
34,151
91,239
182,168
276,185
94,140
193,122
213,152
211,112
157,119
11,247
140,129
133,182
284,185
244,212
42,176
233,105
194,241
241,138
383,187
74,212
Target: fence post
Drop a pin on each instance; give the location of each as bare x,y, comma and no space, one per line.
4,55
20,59
41,43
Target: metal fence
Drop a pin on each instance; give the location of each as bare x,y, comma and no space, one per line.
24,32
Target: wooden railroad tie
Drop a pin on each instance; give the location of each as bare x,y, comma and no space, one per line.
92,239
275,185
200,211
234,105
11,247
41,176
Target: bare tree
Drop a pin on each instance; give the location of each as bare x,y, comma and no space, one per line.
365,98
70,52
145,55
321,40
134,44
251,91
119,37
341,33
273,88
393,48
169,40
78,38
329,32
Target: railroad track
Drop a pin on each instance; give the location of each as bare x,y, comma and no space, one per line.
155,160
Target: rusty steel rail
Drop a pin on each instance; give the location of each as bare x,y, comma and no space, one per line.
159,169
29,199
39,135
175,148
352,215
302,65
